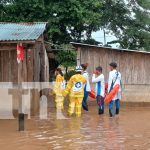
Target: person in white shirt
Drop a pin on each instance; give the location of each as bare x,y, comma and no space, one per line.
87,87
114,79
98,78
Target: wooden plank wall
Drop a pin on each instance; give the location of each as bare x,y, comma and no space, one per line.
35,64
41,64
34,69
135,67
8,66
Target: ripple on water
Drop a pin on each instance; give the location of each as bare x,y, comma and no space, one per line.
89,132
83,134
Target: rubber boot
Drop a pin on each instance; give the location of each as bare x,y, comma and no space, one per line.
117,111
110,113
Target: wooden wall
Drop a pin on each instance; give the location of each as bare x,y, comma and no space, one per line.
8,66
135,67
34,69
37,61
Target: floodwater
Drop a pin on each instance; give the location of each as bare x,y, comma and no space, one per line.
129,131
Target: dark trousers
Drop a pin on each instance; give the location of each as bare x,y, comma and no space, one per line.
100,102
85,98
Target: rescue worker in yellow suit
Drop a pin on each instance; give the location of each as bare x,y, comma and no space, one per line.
59,86
75,89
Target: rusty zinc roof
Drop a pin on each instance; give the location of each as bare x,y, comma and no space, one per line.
21,31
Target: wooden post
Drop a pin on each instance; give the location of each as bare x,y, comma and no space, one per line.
20,79
21,114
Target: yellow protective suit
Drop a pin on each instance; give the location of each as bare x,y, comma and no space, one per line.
58,88
75,89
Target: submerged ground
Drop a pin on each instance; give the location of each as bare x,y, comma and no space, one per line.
129,131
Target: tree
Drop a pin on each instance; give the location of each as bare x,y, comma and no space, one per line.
139,31
68,20
144,4
75,20
66,56
130,22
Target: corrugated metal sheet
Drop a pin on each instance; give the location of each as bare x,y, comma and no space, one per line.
21,31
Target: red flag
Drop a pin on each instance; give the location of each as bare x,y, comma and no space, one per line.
20,53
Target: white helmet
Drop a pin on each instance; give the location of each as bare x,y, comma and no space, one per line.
78,69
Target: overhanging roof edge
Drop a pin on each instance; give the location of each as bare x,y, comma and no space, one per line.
96,46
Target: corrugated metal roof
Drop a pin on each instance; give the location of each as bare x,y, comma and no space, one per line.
127,50
21,31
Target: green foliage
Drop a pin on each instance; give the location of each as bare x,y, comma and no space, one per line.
144,3
69,74
129,22
68,19
75,20
66,56
142,24
91,41
24,11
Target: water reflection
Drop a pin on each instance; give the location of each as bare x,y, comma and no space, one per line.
92,132
88,132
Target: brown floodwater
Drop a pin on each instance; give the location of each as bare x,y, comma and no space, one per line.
129,131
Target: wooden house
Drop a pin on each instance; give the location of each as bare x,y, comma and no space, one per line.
35,65
134,66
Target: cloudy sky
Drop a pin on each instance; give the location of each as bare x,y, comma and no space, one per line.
99,36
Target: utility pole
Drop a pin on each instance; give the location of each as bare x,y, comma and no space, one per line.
104,37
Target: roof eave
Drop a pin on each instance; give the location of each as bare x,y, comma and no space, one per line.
19,41
117,49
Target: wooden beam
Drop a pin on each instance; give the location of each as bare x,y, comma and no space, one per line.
13,46
11,49
30,42
21,114
7,47
40,39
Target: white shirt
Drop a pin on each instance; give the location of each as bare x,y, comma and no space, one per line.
115,76
87,85
100,84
